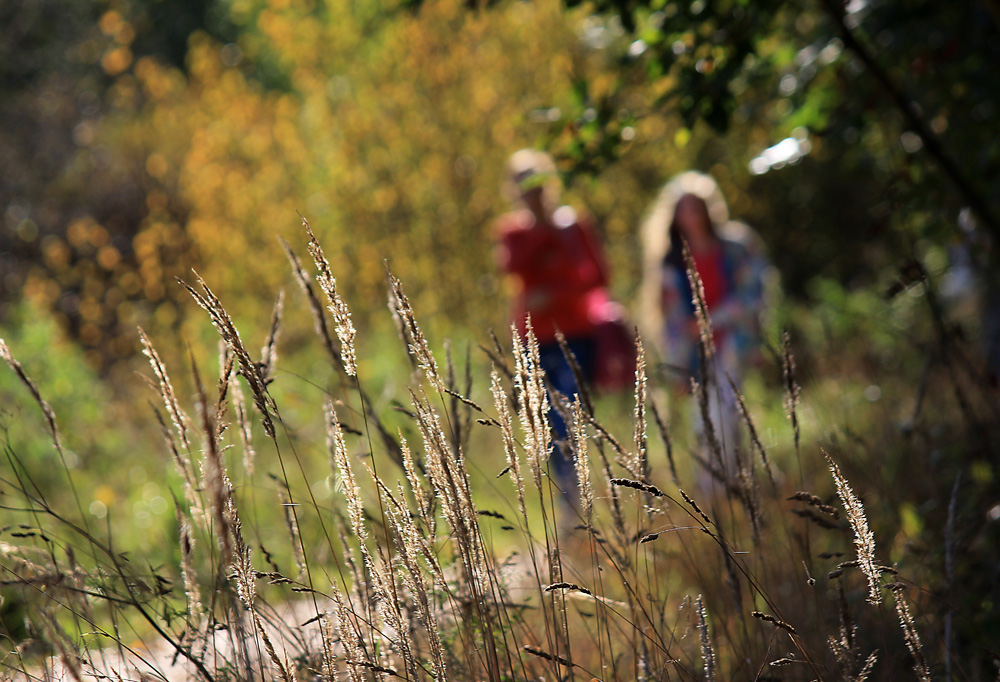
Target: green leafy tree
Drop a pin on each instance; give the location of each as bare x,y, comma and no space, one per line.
894,100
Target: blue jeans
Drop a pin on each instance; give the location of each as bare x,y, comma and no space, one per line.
561,377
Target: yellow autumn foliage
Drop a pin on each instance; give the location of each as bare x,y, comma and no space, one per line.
390,137
386,126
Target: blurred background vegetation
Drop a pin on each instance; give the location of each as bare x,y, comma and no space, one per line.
142,138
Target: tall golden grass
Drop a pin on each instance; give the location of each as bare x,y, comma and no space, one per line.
405,572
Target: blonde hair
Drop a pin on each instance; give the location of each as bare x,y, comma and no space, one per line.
654,234
534,162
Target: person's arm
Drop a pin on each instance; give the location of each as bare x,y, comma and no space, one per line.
743,303
502,253
520,251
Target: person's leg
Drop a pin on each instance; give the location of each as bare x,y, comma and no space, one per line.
727,428
563,381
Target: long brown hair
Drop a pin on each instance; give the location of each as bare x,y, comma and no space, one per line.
658,243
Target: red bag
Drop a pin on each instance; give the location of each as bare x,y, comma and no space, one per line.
615,355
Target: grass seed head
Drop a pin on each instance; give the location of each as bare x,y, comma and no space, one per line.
864,539
343,324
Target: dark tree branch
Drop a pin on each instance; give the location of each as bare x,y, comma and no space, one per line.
932,143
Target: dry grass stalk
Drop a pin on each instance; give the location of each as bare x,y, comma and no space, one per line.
694,505
409,543
816,518
639,466
351,638
343,324
749,494
242,567
223,323
450,483
352,491
949,572
192,592
396,630
243,425
226,362
358,587
460,407
664,431
246,587
845,647
50,421
567,586
394,597
497,356
177,415
617,516
574,365
752,430
323,331
418,346
394,624
55,634
864,539
292,524
181,456
401,330
707,650
18,565
535,651
269,352
910,635
286,671
867,668
509,444
605,436
401,629
184,467
707,337
328,662
216,480
420,497
792,389
814,501
702,391
777,622
638,485
707,385
315,307
581,461
50,416
733,574
532,401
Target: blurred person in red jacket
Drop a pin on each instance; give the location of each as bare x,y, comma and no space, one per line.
555,256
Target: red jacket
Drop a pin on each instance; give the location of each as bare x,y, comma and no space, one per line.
561,272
